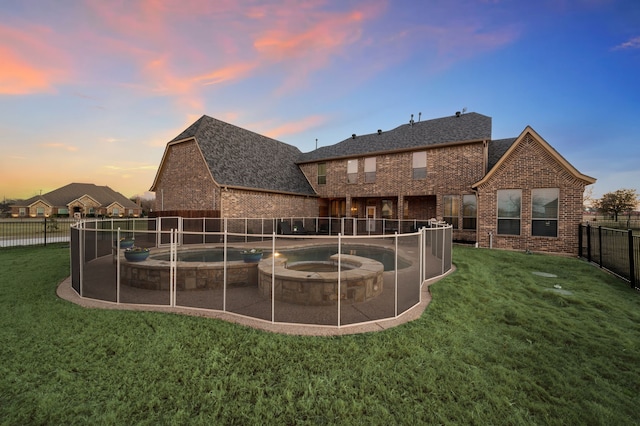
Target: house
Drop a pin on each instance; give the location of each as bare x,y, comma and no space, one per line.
77,199
516,193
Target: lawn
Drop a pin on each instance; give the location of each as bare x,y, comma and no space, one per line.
497,345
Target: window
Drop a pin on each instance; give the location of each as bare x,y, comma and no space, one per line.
39,211
63,211
544,212
23,211
370,169
469,211
322,173
420,165
116,211
451,206
509,207
352,171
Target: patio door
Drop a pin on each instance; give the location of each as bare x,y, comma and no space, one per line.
371,219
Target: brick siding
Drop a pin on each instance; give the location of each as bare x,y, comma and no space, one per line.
531,166
184,182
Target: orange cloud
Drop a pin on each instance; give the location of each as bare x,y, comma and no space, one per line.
57,145
30,63
296,126
188,88
18,77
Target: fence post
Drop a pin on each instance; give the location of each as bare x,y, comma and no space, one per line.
632,272
579,240
600,245
589,242
45,231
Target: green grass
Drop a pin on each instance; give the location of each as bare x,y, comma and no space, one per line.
495,346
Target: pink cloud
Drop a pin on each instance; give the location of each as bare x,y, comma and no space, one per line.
308,37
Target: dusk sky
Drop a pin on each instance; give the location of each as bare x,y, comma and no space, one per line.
91,91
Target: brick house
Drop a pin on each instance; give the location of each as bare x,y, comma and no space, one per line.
516,193
85,199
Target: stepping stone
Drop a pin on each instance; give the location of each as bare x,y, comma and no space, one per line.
544,274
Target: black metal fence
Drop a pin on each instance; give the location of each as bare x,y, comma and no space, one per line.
34,231
616,250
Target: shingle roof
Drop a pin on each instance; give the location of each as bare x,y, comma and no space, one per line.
497,149
466,127
64,195
239,157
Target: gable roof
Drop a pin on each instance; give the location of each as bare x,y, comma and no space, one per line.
237,157
511,144
466,127
497,149
68,193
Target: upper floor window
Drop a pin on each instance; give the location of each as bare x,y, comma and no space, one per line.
451,206
370,169
322,173
509,211
352,171
469,211
420,165
544,212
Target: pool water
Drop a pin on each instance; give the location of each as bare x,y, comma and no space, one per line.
310,254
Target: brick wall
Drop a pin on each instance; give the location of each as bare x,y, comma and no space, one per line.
184,182
254,204
450,170
532,166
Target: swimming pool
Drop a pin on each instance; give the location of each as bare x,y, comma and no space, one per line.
303,254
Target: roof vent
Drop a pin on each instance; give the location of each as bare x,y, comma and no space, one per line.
411,121
419,116
379,131
353,136
457,113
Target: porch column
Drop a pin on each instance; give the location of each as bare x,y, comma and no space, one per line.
348,205
400,206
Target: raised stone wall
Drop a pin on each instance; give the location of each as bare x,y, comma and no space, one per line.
360,284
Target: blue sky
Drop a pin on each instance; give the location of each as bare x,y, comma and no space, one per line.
91,91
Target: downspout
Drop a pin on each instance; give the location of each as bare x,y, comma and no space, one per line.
485,156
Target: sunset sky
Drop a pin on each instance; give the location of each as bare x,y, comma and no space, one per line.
91,91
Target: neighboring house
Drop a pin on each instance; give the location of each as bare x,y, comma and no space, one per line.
516,193
77,199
